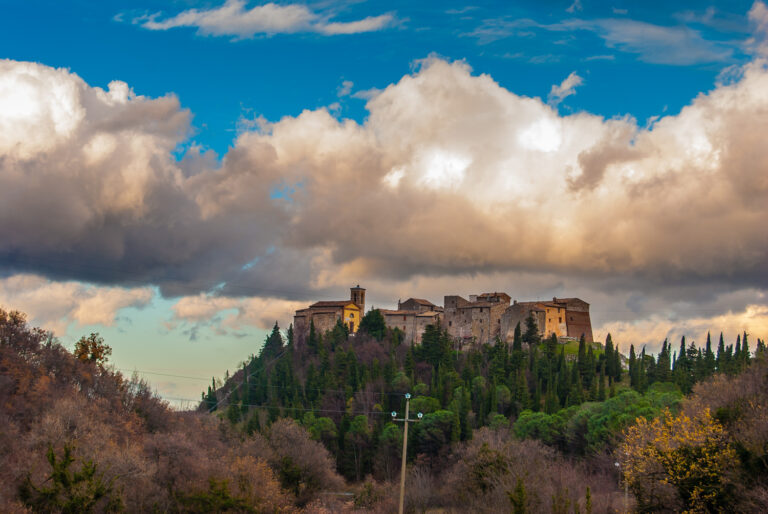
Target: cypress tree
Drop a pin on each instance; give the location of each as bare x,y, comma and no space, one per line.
609,355
642,378
536,402
633,371
761,348
581,359
551,402
563,385
720,354
409,363
522,400
709,357
745,350
663,366
601,387
517,348
312,339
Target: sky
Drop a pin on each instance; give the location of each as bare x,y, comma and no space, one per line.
180,175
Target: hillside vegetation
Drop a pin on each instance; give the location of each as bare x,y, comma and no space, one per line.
532,394
77,437
518,428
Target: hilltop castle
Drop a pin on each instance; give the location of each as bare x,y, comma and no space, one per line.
481,319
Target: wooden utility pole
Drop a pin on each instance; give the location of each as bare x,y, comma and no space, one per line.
405,446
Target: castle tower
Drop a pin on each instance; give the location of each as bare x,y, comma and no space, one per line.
357,295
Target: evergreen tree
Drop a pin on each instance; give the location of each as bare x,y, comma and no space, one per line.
664,365
720,354
273,346
601,387
581,359
745,353
536,401
633,368
617,364
373,324
709,357
531,335
609,362
522,399
517,349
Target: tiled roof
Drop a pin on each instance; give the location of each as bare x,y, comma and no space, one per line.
419,301
339,303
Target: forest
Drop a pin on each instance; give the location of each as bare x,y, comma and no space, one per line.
535,426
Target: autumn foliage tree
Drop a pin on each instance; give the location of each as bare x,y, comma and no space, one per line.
677,462
93,349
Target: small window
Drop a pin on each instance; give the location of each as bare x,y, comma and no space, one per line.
560,319
450,323
351,314
403,318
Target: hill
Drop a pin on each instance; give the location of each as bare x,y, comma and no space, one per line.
574,399
75,436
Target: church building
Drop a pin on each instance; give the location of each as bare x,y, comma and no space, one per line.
325,314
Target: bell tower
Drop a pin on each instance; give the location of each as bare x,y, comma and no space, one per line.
357,295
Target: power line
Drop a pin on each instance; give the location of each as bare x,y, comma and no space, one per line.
268,406
340,391
161,374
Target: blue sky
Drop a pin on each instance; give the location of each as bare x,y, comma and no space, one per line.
437,119
222,79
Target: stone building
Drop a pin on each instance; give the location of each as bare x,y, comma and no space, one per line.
325,314
412,317
577,317
564,317
477,319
